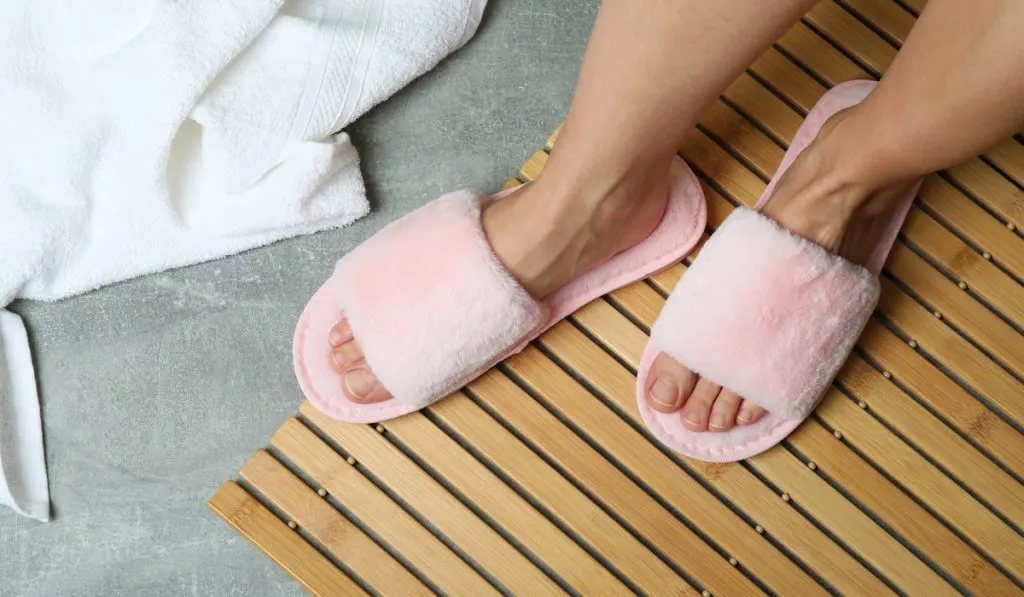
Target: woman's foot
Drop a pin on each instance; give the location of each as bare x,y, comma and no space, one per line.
546,234
820,199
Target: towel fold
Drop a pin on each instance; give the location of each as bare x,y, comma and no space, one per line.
145,135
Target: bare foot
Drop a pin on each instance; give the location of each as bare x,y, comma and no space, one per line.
545,236
813,202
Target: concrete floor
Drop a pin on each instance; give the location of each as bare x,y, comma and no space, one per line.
156,390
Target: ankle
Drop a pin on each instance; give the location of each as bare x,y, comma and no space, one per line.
603,203
856,174
860,157
839,168
820,183
553,231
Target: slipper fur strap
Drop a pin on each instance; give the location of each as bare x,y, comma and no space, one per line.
767,314
430,304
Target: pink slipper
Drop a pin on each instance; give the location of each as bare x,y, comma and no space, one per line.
432,307
766,314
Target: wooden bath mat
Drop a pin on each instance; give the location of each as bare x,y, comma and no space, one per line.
540,479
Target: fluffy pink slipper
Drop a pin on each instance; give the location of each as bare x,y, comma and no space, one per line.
766,314
432,308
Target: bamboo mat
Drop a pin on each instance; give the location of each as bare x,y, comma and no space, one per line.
540,478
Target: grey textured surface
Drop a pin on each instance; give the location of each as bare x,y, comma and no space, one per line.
156,390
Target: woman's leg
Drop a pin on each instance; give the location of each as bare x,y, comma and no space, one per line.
956,88
650,69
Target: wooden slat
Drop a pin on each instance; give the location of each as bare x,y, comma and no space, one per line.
971,222
371,505
991,189
904,413
833,458
533,166
765,108
505,506
630,502
327,526
727,126
618,334
941,342
842,29
573,508
819,56
937,440
436,504
858,531
965,264
786,79
942,394
985,528
740,487
1001,489
896,562
928,483
959,308
1008,156
738,182
887,16
550,143
282,545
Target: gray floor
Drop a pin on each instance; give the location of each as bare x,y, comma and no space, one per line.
156,390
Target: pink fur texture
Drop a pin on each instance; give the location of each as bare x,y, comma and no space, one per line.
781,313
476,307
432,307
766,314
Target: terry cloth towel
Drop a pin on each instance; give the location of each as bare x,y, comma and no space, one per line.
140,136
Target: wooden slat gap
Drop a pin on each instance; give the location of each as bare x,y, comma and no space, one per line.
953,325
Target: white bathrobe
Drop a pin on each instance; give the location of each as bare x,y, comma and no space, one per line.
141,135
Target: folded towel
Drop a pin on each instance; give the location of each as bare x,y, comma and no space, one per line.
141,136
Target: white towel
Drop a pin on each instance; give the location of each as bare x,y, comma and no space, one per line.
140,135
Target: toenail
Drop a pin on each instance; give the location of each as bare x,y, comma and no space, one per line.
359,383
745,416
335,338
693,417
665,392
717,421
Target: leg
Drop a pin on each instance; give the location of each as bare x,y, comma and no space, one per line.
650,69
954,90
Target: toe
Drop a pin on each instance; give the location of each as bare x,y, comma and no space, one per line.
749,413
697,409
358,382
340,334
346,355
723,412
668,384
361,386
